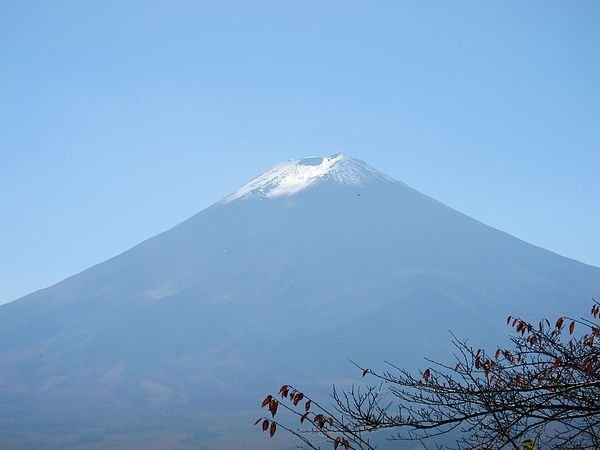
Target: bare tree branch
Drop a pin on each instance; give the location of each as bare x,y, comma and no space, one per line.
543,389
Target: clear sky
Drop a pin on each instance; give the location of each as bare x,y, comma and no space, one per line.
119,119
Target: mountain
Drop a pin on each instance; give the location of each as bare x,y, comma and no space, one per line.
172,343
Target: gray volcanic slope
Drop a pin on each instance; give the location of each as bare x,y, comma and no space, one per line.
173,343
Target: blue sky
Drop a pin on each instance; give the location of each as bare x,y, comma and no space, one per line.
120,119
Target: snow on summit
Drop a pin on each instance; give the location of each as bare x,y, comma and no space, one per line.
291,177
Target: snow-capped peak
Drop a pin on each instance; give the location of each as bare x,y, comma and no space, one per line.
291,177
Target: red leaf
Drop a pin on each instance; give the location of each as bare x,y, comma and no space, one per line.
572,327
559,323
337,442
265,424
273,405
320,420
307,406
297,397
283,391
346,444
273,429
498,353
508,320
266,401
426,374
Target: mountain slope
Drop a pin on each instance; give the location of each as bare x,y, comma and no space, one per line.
314,261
